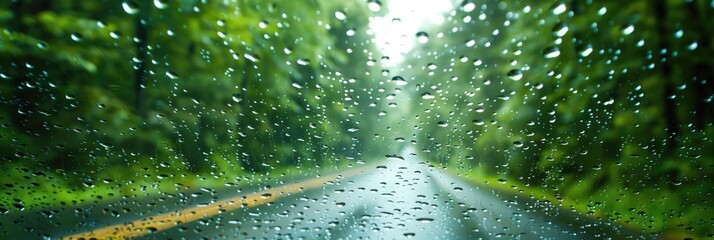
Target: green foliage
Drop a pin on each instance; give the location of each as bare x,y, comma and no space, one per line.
214,89
603,101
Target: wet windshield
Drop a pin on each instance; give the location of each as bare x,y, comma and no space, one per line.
425,119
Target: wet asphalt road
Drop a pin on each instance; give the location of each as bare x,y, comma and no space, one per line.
401,199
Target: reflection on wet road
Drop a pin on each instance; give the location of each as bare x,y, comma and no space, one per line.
400,199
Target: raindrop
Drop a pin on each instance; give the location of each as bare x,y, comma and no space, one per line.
263,24
560,29
468,6
374,5
237,98
395,157
303,61
399,80
114,35
130,7
518,144
692,46
559,9
77,37
442,124
477,62
160,4
340,15
266,195
586,51
515,74
427,95
171,75
422,37
551,52
251,57
425,220
628,30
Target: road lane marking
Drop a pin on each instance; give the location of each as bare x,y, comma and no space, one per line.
175,218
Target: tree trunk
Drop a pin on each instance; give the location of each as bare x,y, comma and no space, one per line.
663,48
701,72
140,71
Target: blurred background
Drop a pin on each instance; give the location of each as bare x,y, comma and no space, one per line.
603,108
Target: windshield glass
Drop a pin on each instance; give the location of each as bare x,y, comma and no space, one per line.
425,119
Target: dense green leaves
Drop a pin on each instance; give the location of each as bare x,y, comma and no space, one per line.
599,101
128,94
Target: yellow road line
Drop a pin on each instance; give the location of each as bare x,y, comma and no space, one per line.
165,221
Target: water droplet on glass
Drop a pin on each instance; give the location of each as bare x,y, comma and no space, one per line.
586,50
303,61
340,15
130,7
560,29
160,4
518,144
374,5
442,124
171,75
399,80
237,98
251,57
692,46
114,35
263,24
477,62
77,37
427,95
551,52
628,30
425,220
515,74
559,9
602,11
422,37
468,6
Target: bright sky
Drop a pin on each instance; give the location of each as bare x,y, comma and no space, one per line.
395,33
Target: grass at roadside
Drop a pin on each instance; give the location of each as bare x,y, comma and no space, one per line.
26,191
655,210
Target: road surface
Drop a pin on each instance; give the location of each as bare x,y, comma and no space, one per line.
395,200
